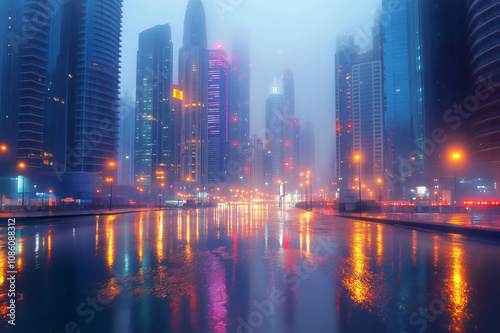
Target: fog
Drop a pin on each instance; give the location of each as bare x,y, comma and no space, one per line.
299,34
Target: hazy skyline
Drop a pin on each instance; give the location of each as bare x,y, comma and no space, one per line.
301,35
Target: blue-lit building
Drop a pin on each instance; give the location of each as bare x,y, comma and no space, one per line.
274,135
218,114
403,94
60,75
291,135
484,42
193,82
239,109
154,144
93,128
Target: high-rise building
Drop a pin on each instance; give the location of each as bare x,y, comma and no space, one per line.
274,141
308,148
445,61
154,144
367,116
61,64
218,116
257,163
484,37
403,94
291,135
359,114
10,31
126,150
193,81
93,125
346,51
177,103
239,108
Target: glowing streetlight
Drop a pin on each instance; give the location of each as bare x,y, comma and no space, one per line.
22,166
380,182
358,158
455,158
3,148
161,195
110,181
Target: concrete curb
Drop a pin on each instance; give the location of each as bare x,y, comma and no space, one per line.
446,228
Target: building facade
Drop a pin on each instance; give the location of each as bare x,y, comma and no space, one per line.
218,115
193,81
154,145
403,94
239,108
274,135
484,43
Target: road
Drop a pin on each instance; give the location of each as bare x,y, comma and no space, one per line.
248,269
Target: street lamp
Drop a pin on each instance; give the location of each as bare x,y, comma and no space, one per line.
310,187
358,158
380,182
161,196
22,166
456,158
110,181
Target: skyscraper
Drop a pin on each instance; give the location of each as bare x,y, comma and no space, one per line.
403,94
367,115
218,117
154,144
346,50
239,108
308,148
93,127
63,70
291,135
445,61
126,150
193,81
484,36
274,134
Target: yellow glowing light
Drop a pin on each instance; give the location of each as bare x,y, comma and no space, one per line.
178,94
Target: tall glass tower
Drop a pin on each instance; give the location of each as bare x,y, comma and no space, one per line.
239,108
274,141
93,132
484,37
218,117
154,143
403,92
193,81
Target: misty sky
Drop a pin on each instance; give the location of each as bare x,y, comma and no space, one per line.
301,34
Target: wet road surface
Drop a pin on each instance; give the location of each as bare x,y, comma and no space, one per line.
248,269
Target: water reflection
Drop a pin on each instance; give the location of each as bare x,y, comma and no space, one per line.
201,270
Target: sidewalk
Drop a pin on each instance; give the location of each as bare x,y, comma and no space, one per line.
478,225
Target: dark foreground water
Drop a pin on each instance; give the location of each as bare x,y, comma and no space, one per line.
248,269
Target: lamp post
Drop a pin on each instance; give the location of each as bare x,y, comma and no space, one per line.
456,157
110,181
310,187
112,166
279,193
161,195
3,149
380,184
50,192
358,158
22,166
